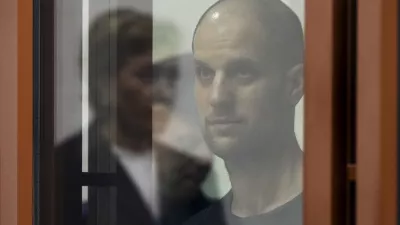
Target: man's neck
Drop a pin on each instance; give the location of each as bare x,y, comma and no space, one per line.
134,142
264,185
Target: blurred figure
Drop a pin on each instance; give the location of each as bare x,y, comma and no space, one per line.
182,163
131,179
249,78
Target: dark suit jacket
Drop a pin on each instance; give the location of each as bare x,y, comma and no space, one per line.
113,198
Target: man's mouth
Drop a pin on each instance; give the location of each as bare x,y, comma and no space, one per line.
224,121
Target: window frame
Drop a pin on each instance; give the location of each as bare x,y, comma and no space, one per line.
376,127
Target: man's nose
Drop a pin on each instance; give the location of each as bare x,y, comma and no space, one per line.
220,90
162,88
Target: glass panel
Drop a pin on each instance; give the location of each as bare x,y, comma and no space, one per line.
166,108
105,196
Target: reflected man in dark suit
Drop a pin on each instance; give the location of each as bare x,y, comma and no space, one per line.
127,174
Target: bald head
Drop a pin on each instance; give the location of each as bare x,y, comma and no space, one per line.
249,56
275,26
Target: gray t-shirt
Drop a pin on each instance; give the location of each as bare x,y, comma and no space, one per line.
290,213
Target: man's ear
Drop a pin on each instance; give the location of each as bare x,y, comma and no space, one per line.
295,81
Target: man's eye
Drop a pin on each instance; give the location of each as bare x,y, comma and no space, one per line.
244,74
204,73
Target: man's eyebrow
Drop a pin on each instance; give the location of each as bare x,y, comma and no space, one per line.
241,61
235,62
201,63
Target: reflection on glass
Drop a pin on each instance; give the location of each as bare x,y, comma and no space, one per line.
85,87
142,163
182,118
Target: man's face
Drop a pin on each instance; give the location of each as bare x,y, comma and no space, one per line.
145,93
165,75
240,95
133,99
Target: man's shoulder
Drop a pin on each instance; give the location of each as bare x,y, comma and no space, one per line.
200,218
71,142
213,215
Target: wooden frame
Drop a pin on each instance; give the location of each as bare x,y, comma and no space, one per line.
377,113
8,101
326,112
16,115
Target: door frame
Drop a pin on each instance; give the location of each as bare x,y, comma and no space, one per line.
16,115
377,122
325,165
376,127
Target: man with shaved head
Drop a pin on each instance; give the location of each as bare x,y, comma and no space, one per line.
249,78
